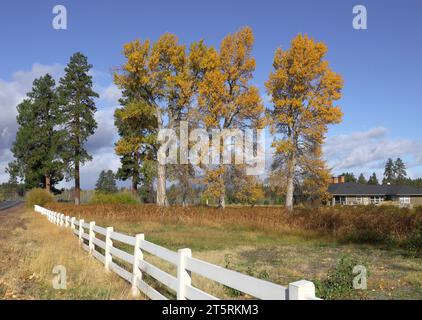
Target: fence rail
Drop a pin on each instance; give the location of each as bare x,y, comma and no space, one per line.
182,259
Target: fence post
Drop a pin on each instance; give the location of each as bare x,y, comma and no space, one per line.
137,255
72,223
183,276
91,237
301,290
66,222
108,244
61,220
81,230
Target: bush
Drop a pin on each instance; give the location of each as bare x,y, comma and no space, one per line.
339,281
38,197
114,198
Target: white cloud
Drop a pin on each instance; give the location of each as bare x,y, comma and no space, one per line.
106,133
370,149
110,94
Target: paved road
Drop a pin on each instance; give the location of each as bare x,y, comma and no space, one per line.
9,204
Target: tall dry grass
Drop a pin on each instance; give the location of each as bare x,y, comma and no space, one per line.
355,224
31,247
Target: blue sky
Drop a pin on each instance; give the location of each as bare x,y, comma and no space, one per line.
381,66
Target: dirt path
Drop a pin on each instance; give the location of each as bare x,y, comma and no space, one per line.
4,205
30,247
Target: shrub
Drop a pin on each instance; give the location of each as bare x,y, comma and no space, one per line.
38,197
114,198
339,281
414,244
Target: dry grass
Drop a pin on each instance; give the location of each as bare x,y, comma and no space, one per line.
30,247
352,224
272,244
264,242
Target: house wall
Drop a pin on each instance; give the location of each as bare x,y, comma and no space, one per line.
353,200
416,201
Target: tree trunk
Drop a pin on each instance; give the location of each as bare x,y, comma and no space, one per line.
134,185
161,186
291,164
135,174
222,199
151,193
161,172
77,184
47,183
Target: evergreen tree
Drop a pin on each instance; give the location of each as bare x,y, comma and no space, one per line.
389,175
373,180
106,182
78,108
362,179
38,140
349,177
136,124
399,169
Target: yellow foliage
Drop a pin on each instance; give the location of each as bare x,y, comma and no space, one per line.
226,97
303,90
215,183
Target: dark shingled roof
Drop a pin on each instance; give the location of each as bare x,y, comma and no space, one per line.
352,189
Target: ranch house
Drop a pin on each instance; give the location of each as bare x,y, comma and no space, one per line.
348,193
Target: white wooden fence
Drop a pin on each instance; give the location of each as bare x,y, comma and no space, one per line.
182,259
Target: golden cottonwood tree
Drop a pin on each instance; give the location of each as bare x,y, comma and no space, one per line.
158,75
303,89
226,99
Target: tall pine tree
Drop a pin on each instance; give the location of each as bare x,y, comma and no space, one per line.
373,180
38,140
78,108
400,171
389,175
106,182
362,179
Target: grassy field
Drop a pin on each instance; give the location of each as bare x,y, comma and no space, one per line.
30,247
271,244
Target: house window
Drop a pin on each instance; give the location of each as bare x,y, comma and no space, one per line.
377,200
340,200
404,200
